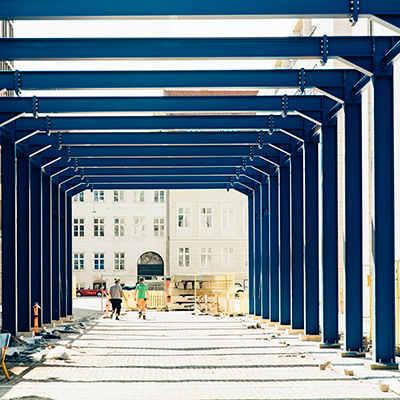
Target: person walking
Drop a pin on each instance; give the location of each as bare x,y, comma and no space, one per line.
115,294
141,294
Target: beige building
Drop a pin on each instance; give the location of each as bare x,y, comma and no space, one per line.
156,233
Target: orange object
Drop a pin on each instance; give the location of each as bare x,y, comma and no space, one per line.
216,304
341,300
205,303
107,306
36,317
167,286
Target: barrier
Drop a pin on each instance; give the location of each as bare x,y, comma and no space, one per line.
235,305
129,303
157,299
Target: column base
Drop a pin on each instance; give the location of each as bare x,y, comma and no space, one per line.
328,345
295,331
310,338
256,316
376,366
25,334
71,316
52,325
264,321
345,353
272,324
282,327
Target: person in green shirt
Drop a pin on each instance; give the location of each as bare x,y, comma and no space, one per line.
141,295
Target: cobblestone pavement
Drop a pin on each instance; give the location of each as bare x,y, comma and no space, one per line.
180,356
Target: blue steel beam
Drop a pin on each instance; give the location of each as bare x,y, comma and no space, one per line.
156,186
329,81
157,9
50,105
265,251
251,243
358,51
258,250
211,122
165,138
55,252
156,179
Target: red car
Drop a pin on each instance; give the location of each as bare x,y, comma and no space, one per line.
90,292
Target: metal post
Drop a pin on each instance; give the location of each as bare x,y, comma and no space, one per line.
9,237
330,322
68,253
36,240
47,305
251,252
383,265
63,280
265,252
55,259
273,249
297,239
284,245
311,238
257,252
23,245
353,310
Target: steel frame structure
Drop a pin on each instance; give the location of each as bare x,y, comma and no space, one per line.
277,159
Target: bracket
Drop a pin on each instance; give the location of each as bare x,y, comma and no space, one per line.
285,105
228,186
75,164
82,173
232,181
68,153
302,80
299,147
324,50
17,83
87,181
271,123
237,172
265,211
58,140
261,139
35,107
4,132
354,9
251,153
244,163
286,159
20,149
48,125
33,160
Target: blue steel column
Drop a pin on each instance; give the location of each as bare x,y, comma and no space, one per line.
311,238
251,252
69,270
257,252
24,244
330,324
9,236
383,267
297,245
63,280
55,252
353,304
36,240
265,252
273,249
47,305
284,245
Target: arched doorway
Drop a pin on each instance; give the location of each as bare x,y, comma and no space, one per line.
150,264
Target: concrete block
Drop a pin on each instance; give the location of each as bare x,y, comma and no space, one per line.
272,324
310,338
52,325
384,387
397,351
380,366
21,335
295,331
344,353
256,316
328,345
264,321
282,327
349,372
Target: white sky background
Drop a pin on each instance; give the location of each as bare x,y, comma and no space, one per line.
145,28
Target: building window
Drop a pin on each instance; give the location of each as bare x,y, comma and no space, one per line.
159,227
184,257
79,261
119,261
119,196
206,257
228,257
80,197
98,195
98,227
79,227
98,261
205,217
183,217
159,196
227,217
139,227
138,196
119,227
